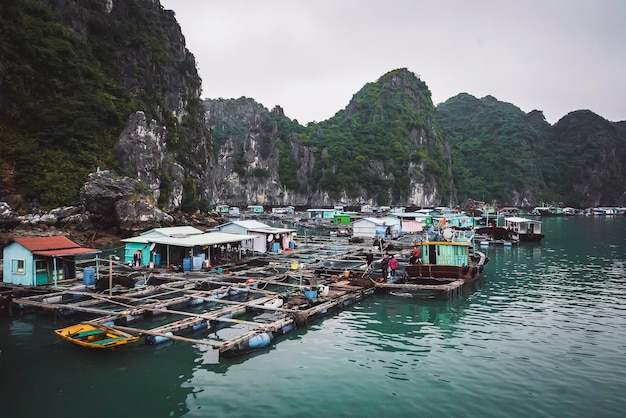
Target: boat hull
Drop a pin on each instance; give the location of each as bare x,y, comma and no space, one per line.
423,272
94,336
530,237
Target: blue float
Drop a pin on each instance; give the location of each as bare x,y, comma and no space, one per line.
260,340
288,328
157,339
201,325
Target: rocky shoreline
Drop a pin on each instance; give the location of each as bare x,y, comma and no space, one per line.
110,209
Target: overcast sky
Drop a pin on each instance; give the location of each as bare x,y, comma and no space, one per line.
311,56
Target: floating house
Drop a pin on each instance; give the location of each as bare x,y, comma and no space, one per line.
287,210
194,252
255,209
265,238
320,213
523,229
387,227
345,218
143,246
399,209
457,220
222,209
413,222
183,245
35,261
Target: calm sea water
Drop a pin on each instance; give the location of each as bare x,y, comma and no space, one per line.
543,336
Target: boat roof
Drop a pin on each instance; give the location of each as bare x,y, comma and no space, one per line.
519,219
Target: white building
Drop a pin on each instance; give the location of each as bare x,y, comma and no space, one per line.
266,238
387,227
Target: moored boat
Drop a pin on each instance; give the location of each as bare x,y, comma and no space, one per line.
95,336
523,229
447,263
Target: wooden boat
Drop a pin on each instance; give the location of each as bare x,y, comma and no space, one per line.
95,336
447,264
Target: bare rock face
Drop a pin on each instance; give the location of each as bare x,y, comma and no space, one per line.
8,218
141,152
120,202
140,216
102,190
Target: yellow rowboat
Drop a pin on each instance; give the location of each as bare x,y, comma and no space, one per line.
95,336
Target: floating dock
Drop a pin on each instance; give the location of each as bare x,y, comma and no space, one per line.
235,313
232,314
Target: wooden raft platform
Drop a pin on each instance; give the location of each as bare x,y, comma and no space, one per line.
230,318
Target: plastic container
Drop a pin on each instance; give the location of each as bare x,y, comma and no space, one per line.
310,294
187,264
89,276
260,340
275,247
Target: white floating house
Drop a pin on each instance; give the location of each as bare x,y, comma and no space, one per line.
265,239
387,227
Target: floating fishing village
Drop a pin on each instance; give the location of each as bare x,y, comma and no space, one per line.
238,287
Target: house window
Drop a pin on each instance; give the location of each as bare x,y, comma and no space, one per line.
40,266
17,266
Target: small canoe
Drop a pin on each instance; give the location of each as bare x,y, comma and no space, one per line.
95,336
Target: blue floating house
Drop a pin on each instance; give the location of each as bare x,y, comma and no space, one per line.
37,261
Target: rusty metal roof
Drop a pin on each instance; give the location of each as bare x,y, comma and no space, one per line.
53,246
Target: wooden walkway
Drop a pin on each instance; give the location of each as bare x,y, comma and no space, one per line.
234,313
186,306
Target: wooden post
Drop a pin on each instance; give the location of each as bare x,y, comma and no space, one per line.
110,276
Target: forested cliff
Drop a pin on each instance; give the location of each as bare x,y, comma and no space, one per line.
109,85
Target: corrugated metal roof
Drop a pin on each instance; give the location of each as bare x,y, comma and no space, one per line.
46,243
210,238
175,230
53,246
67,251
255,226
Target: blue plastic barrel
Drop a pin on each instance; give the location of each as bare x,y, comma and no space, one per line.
260,340
292,245
275,247
311,294
157,259
157,339
89,276
187,264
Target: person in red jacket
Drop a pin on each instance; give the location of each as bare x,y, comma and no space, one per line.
393,265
